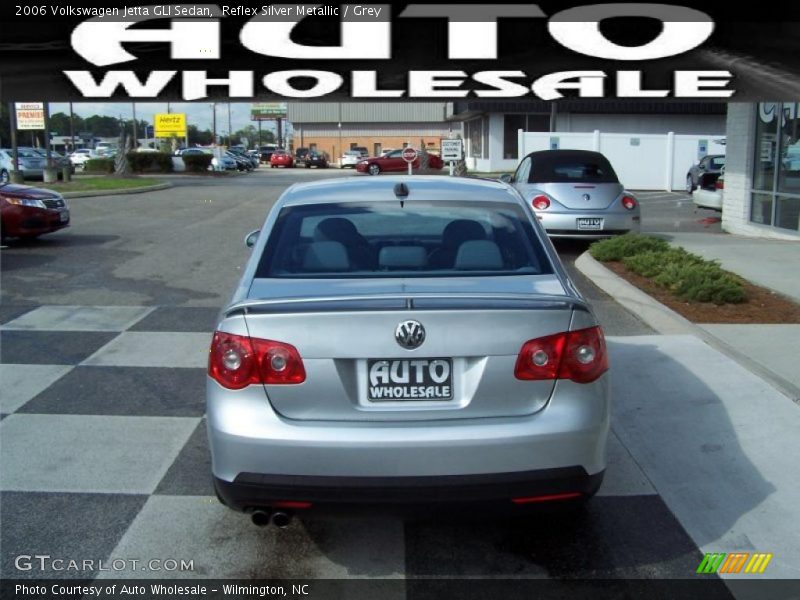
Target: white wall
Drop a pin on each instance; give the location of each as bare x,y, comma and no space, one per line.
642,161
643,123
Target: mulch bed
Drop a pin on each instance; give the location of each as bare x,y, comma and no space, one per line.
763,305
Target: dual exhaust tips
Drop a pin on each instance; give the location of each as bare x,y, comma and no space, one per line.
279,519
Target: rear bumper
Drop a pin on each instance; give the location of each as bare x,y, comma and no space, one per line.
565,224
259,456
258,491
707,199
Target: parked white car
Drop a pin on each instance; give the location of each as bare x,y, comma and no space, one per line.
351,158
710,193
79,157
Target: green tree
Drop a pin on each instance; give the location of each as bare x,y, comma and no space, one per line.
103,126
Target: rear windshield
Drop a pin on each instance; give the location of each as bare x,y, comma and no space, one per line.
572,169
418,239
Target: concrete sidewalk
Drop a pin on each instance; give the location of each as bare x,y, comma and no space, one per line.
769,351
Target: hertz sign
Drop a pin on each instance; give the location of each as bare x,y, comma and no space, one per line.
168,125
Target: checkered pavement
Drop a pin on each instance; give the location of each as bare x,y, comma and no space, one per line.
103,455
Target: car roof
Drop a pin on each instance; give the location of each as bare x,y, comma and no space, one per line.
420,187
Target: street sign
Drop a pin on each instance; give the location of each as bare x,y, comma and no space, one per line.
168,125
409,154
452,150
30,115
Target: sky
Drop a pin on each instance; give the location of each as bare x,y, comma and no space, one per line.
197,113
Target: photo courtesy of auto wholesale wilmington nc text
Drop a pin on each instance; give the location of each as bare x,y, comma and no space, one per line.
135,589
103,39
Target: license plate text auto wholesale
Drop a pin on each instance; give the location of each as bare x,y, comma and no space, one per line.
405,379
590,223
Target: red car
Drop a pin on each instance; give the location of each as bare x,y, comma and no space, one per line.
28,212
281,158
393,161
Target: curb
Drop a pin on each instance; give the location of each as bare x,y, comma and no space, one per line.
139,190
667,322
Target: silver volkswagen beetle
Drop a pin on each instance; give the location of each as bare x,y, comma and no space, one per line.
576,194
403,342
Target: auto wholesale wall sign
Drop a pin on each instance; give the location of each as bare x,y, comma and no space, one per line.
355,51
30,115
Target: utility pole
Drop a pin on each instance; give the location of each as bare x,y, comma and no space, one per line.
230,131
135,134
214,122
71,128
16,175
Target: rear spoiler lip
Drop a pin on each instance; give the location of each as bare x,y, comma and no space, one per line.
264,305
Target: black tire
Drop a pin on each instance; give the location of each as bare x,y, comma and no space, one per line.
374,169
690,186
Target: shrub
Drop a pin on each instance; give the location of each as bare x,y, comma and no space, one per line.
617,248
652,263
99,165
197,163
702,282
150,162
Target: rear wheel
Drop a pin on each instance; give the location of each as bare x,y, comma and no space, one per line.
374,169
689,184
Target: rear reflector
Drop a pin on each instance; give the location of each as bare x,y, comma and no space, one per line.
236,361
291,504
577,355
547,498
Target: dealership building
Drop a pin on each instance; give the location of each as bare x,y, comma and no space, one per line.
334,127
762,171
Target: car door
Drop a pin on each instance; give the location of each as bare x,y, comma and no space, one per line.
393,161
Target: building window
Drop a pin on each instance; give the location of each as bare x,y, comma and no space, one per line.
376,149
775,196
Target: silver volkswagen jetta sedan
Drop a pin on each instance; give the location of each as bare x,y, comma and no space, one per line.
405,341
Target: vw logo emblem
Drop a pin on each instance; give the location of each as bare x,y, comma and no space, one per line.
410,334
587,197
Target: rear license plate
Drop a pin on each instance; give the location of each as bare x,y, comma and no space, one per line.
395,380
590,223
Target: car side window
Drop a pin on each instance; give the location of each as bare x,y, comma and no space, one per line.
395,154
523,171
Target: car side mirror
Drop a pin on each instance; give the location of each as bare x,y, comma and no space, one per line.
507,178
701,167
251,238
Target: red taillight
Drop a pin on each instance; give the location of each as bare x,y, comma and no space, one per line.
577,355
236,361
720,184
541,202
628,202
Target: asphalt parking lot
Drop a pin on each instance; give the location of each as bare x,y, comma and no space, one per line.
105,329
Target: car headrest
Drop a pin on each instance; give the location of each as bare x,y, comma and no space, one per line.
337,229
462,230
479,255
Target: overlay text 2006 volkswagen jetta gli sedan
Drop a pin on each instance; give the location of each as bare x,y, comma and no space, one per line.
405,342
